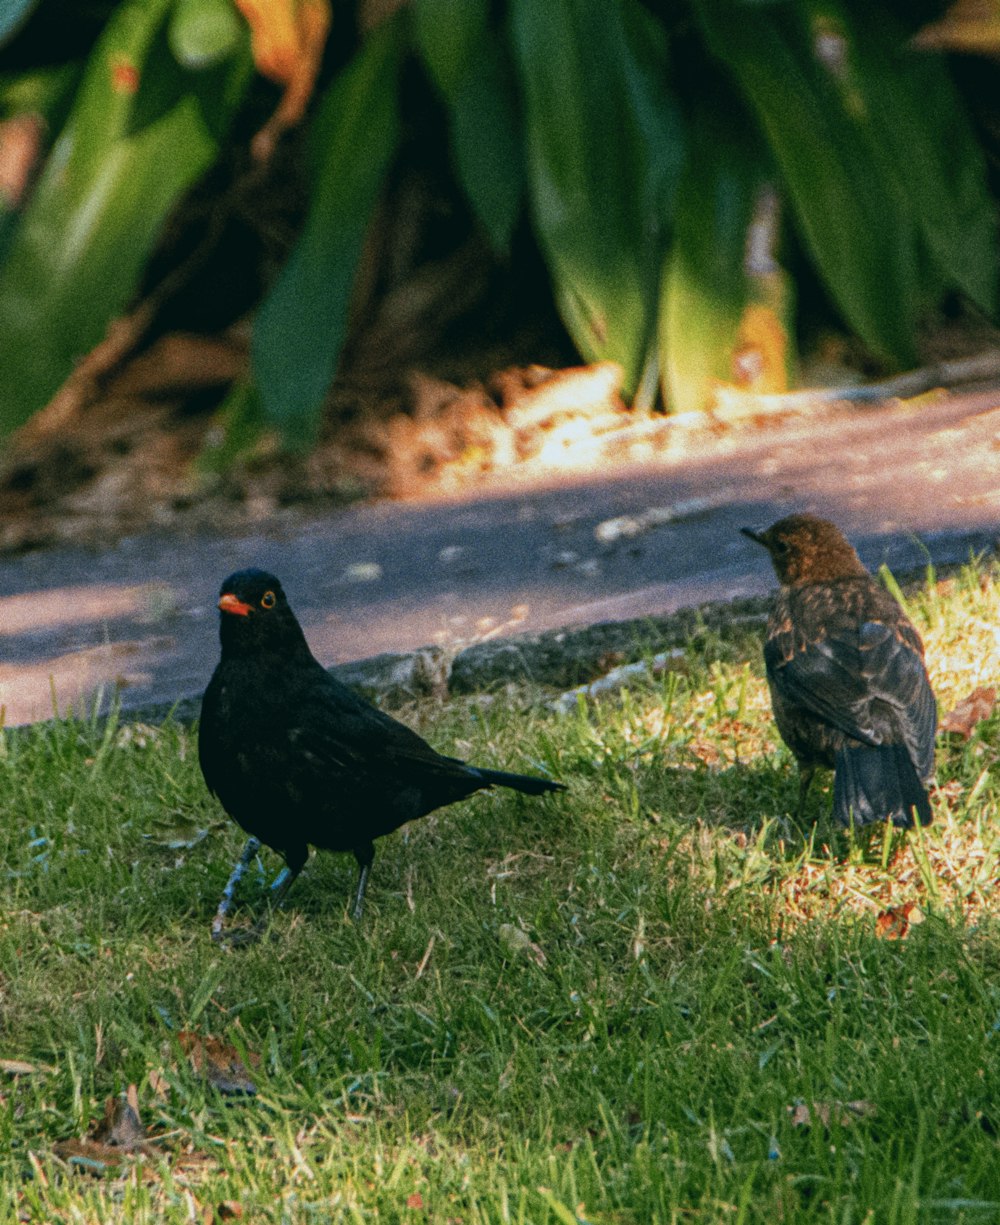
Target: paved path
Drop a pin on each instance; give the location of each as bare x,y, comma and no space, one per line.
905,483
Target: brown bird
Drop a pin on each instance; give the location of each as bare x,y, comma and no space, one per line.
845,667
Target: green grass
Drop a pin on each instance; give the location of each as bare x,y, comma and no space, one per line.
694,966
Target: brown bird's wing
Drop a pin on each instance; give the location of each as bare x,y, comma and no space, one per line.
868,681
893,668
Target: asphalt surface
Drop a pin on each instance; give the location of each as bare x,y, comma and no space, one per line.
906,484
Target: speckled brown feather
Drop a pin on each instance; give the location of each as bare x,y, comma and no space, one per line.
845,668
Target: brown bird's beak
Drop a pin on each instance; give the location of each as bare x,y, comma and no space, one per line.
228,603
748,531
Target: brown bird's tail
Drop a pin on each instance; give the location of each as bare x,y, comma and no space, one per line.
528,783
878,783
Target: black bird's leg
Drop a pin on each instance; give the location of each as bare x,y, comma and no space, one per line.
805,778
365,855
249,851
294,863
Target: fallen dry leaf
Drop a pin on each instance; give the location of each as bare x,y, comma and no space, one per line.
895,923
118,1136
971,710
21,1067
416,1200
514,940
972,26
287,38
825,1113
229,1210
219,1063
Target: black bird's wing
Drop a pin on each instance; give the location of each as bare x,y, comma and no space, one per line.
344,757
863,677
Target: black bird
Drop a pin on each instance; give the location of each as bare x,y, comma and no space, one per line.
298,759
845,667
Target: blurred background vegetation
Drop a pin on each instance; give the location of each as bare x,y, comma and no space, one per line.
693,185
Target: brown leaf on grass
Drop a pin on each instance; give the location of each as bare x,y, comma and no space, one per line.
121,1126
515,941
416,1200
219,1063
229,1210
118,1136
895,923
827,1113
159,1084
970,711
21,1067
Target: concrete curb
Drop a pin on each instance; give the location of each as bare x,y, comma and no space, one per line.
559,659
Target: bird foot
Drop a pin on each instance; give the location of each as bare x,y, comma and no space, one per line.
238,938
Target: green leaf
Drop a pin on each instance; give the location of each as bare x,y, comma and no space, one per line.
919,129
204,32
604,148
855,222
301,326
140,132
710,279
486,145
468,61
449,34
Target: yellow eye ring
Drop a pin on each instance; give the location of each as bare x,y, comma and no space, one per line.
267,600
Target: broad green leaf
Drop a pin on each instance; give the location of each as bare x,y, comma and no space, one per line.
301,326
46,91
919,129
140,132
486,144
468,61
855,222
203,32
604,147
449,34
716,286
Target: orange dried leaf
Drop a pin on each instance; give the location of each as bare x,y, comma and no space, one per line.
970,711
760,355
416,1200
287,38
21,139
895,923
218,1062
969,25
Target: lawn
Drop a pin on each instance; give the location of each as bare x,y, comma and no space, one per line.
651,999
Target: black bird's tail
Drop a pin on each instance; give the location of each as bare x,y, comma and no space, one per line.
876,783
530,784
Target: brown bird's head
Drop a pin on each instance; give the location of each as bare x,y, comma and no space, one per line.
256,616
807,549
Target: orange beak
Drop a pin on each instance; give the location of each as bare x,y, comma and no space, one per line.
228,603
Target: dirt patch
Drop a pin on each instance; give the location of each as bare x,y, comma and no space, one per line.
129,445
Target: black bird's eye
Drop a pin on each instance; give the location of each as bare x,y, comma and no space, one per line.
267,599
780,546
